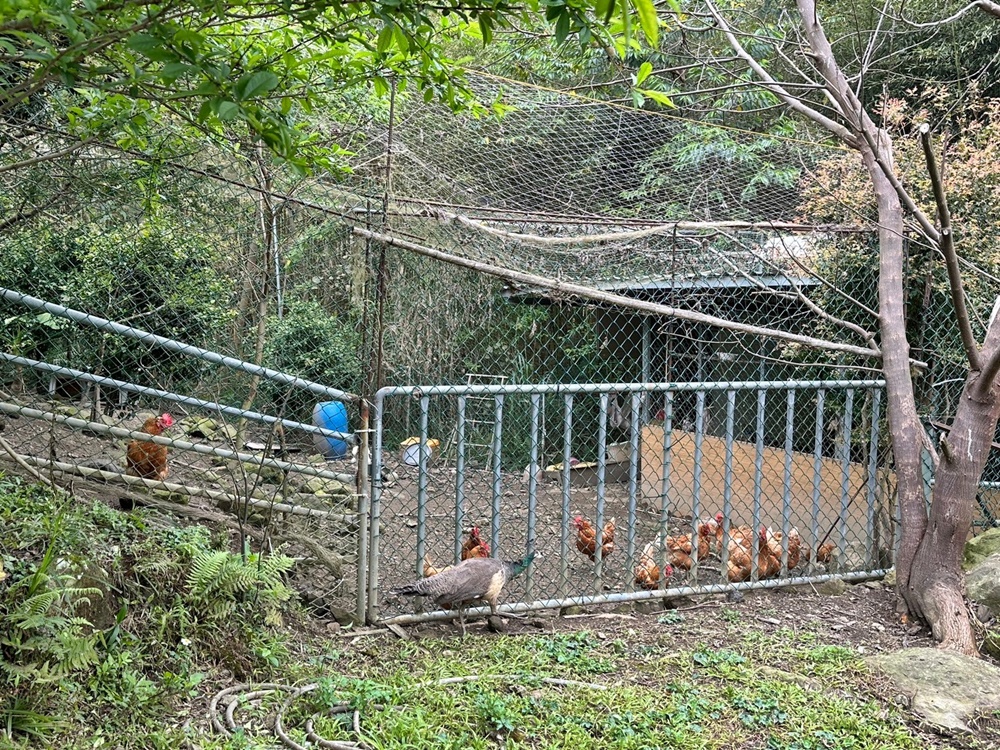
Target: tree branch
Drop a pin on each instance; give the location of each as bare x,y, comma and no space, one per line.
576,290
593,239
837,85
9,450
869,52
991,351
925,225
25,215
990,8
772,85
946,243
867,336
830,285
44,157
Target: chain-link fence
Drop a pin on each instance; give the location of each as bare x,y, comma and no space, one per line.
633,491
571,242
265,477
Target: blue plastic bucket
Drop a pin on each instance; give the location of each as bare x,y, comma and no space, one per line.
330,415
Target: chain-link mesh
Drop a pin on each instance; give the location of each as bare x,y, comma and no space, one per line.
131,291
569,242
773,482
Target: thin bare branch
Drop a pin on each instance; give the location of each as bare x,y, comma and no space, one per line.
946,243
43,157
753,353
829,284
19,460
867,336
866,58
990,8
774,87
666,228
904,196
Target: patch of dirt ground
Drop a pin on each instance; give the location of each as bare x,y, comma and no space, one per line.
863,617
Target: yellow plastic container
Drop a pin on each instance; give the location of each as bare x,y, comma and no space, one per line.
410,450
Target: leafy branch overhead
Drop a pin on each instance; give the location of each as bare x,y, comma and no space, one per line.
266,66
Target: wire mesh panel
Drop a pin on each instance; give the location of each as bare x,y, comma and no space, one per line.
630,491
227,443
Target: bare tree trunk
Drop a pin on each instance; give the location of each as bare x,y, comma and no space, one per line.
266,215
904,424
935,584
928,564
260,339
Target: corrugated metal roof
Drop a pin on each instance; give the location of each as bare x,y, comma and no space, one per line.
774,281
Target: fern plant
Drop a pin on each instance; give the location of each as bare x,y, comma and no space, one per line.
222,583
17,717
44,639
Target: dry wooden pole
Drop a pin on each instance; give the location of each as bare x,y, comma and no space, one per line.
619,300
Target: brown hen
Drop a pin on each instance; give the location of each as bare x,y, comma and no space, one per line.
474,545
586,537
146,459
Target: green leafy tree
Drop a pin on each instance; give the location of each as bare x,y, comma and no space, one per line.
146,275
314,344
111,70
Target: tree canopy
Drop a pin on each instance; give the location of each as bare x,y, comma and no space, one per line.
110,70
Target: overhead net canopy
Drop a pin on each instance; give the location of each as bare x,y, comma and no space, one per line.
607,193
698,216
625,201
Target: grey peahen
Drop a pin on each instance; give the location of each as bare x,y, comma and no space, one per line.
472,580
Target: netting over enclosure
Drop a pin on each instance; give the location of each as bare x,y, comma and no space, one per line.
570,242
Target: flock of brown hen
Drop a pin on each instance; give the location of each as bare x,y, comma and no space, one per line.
710,540
149,460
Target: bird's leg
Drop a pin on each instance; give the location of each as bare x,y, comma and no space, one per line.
461,619
511,615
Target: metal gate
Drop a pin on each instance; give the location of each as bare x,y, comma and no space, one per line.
789,460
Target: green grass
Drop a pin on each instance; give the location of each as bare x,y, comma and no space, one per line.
143,678
705,698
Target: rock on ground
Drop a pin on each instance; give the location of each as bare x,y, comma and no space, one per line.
946,688
980,547
983,583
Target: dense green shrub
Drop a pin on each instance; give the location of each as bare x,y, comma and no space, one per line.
149,276
312,343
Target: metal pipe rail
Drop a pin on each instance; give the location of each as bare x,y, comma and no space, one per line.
233,411
65,469
638,596
121,432
563,388
175,346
